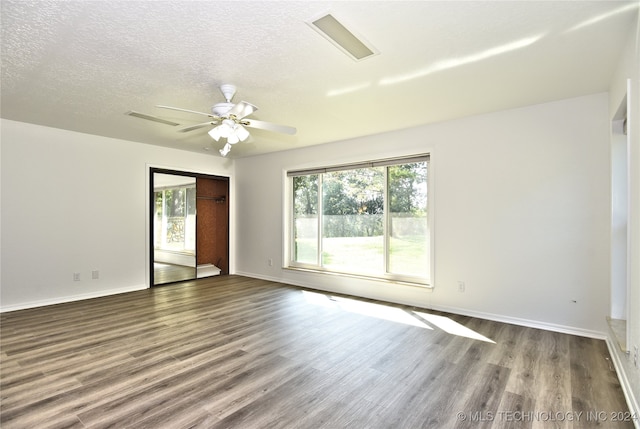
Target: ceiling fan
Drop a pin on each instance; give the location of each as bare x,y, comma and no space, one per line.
229,120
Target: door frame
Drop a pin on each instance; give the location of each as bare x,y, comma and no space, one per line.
151,210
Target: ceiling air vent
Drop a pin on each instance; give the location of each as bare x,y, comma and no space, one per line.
331,29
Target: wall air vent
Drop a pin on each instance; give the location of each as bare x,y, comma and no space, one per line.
331,29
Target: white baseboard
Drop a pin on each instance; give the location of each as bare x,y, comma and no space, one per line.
632,401
464,312
261,277
524,322
62,300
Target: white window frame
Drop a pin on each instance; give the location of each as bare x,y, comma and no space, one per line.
289,219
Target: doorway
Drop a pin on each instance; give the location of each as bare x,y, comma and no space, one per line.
189,226
620,238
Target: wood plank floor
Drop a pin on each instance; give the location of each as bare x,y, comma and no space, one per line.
234,352
169,273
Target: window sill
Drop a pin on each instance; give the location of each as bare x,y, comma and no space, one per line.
362,277
619,329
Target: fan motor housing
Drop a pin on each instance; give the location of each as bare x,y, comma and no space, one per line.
221,109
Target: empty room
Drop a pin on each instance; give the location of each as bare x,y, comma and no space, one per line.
320,214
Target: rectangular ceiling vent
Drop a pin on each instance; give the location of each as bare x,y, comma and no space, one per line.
331,29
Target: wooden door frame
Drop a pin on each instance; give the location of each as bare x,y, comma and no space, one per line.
151,207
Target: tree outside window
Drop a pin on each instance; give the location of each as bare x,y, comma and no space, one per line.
370,220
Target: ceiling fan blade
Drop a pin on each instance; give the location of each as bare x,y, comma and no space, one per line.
253,123
187,110
150,118
196,126
242,109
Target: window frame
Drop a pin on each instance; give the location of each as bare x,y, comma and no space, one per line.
289,222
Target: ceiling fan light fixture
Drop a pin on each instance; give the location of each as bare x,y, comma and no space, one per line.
230,130
228,120
242,132
225,150
215,133
224,129
233,139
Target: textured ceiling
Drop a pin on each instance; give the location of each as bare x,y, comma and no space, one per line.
81,65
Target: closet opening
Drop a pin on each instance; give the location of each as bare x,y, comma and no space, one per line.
189,226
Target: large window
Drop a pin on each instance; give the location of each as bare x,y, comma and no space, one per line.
368,219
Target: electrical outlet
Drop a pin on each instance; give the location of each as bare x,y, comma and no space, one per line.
270,262
635,356
461,286
95,274
76,277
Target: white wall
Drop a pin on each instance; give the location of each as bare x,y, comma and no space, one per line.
521,203
629,68
74,202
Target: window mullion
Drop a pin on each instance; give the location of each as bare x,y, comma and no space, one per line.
386,220
292,225
320,220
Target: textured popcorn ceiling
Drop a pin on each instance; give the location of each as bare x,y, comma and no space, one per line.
80,65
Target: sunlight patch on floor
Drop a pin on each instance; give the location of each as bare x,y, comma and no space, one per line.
379,311
453,327
394,314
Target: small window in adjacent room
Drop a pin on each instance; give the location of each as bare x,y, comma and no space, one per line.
369,219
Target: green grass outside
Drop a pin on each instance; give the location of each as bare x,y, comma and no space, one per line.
409,255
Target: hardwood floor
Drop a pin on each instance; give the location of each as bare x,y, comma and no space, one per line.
234,352
169,273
